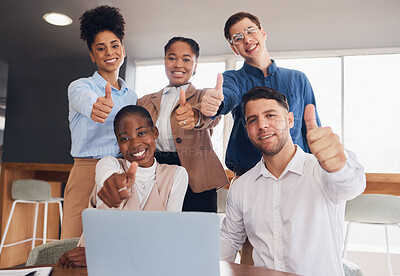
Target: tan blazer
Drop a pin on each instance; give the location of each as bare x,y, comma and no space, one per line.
194,146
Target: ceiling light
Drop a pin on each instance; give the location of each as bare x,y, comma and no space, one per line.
57,19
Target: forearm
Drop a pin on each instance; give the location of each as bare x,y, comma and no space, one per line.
346,183
205,122
178,191
228,253
106,167
81,98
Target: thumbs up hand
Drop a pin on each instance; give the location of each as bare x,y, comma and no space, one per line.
103,106
212,98
186,116
116,188
323,143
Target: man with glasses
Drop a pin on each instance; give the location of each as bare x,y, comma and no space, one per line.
248,39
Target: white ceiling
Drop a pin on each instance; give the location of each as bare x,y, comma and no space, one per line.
290,24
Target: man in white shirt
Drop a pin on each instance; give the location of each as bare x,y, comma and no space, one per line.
291,204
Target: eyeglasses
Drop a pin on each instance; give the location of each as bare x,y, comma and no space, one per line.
239,37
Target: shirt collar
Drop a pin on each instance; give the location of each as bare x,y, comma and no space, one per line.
99,79
295,165
175,88
257,71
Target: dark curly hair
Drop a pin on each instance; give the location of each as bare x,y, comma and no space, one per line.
193,44
101,19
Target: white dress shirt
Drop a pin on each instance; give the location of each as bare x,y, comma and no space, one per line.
144,182
170,97
294,222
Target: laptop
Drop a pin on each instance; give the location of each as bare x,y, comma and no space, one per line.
151,243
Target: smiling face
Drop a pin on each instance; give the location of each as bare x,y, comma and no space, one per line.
180,63
251,48
268,125
136,139
107,52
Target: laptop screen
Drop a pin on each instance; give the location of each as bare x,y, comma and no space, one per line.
151,243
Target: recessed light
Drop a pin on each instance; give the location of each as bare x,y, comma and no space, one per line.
57,19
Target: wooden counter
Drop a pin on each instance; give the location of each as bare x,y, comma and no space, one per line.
383,183
21,226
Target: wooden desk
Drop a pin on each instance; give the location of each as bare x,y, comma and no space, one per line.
226,269
21,226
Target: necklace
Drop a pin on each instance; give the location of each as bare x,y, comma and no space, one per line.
145,183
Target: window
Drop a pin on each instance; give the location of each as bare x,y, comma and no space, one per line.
150,79
371,99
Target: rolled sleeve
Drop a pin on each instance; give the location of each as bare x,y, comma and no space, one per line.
347,183
81,97
232,94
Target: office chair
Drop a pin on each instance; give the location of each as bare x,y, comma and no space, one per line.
51,252
373,209
34,192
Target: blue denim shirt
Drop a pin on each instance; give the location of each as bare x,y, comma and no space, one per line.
91,139
241,154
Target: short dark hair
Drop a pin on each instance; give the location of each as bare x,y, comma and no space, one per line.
235,19
102,18
261,92
132,109
193,44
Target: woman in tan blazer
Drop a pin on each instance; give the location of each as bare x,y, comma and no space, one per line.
185,141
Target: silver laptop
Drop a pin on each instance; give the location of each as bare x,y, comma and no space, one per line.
151,243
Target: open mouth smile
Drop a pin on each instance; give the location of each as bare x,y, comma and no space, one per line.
252,47
111,60
265,137
178,73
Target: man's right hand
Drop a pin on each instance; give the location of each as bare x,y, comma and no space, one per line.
116,188
103,106
212,99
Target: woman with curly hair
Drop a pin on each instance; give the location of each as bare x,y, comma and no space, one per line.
93,103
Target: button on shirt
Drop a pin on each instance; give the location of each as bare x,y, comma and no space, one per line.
170,97
241,153
91,139
294,222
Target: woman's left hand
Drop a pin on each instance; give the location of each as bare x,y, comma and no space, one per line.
186,116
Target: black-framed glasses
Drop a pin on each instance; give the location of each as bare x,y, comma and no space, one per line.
239,37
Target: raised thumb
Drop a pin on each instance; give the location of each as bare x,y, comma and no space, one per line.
108,91
309,117
131,174
182,98
220,82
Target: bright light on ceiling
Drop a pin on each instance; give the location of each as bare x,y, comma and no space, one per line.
57,19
